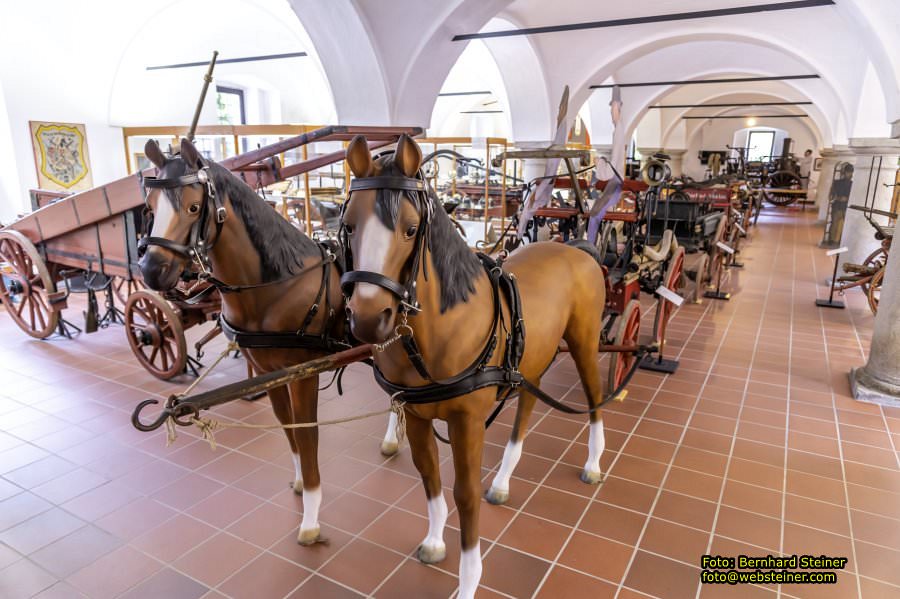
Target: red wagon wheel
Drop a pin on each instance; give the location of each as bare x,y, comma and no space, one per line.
28,288
628,329
155,334
664,308
699,275
123,288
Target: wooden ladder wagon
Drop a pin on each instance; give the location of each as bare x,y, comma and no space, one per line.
92,237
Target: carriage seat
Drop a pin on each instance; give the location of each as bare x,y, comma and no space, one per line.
661,250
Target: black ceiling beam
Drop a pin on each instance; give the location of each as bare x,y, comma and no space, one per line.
681,16
749,116
731,105
473,93
205,63
705,81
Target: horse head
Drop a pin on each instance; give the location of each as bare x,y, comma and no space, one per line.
185,215
383,227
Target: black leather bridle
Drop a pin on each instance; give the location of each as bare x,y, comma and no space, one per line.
406,292
198,244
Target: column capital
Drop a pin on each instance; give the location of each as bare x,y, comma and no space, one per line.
677,153
648,151
874,146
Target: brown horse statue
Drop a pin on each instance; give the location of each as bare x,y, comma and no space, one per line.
281,297
437,306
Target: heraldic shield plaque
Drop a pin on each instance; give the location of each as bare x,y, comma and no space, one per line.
61,156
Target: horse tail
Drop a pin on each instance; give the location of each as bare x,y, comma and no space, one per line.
588,247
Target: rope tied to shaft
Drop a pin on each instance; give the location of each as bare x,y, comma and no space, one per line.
209,426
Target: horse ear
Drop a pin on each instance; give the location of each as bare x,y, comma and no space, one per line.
154,154
358,157
189,153
408,156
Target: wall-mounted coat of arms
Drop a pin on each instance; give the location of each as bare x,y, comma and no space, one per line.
61,156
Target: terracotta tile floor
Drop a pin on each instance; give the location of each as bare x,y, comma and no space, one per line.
754,446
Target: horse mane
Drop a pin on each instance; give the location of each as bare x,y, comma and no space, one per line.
456,265
281,246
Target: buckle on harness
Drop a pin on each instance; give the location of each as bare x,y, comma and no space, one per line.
221,214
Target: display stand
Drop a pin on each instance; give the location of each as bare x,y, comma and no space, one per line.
658,363
830,302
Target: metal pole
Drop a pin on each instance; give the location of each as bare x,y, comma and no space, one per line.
207,79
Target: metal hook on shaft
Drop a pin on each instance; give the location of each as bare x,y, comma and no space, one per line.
152,426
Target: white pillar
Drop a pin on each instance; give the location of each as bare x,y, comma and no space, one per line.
858,234
603,166
676,163
879,380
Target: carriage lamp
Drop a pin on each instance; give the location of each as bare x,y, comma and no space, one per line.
751,122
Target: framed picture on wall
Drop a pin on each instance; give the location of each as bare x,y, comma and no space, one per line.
61,156
817,164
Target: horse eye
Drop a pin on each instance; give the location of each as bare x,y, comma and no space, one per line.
411,231
194,208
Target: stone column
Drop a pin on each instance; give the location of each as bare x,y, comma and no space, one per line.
858,235
676,163
603,171
879,380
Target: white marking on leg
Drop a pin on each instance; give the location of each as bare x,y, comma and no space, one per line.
298,471
312,499
469,571
511,456
596,444
376,238
390,435
437,518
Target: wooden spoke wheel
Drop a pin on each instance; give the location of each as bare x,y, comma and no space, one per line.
664,308
783,180
629,327
28,288
714,263
874,291
874,262
700,276
155,334
123,288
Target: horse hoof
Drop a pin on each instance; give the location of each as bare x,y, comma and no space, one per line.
297,486
309,537
389,448
496,496
591,478
431,555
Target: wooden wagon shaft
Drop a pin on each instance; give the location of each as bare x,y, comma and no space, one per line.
180,407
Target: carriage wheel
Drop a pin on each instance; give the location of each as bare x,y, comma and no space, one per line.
699,275
123,288
627,332
664,308
874,292
155,334
28,295
714,261
784,180
876,261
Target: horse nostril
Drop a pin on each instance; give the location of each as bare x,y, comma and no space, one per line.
386,315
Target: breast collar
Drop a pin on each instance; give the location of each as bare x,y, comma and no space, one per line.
406,292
